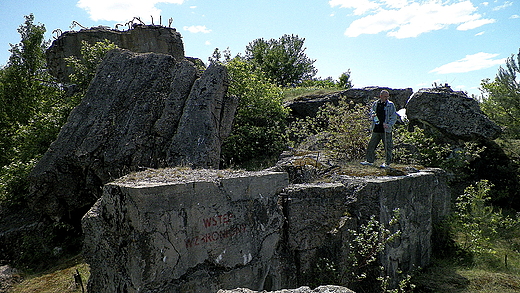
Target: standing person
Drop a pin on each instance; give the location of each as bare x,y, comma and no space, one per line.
383,116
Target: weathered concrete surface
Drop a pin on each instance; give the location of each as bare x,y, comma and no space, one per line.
453,113
320,215
140,39
176,230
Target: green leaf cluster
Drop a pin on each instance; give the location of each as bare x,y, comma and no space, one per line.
340,128
501,97
478,225
368,241
35,105
423,148
260,122
91,57
282,60
33,111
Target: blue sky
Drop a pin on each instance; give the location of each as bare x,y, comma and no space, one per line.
392,43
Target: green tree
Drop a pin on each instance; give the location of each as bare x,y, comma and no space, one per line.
21,82
31,113
476,224
345,80
260,122
501,97
283,61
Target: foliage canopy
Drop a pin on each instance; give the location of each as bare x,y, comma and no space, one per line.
35,105
283,61
501,97
260,122
32,113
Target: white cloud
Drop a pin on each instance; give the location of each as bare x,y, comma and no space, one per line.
396,3
410,18
503,6
359,6
122,10
207,43
514,16
470,63
474,24
479,34
197,29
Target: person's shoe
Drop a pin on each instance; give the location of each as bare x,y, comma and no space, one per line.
365,163
384,165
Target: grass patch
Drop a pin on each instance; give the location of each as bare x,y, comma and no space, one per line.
300,93
483,281
357,170
460,272
447,275
59,279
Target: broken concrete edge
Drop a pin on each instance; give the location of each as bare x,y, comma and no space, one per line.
182,222
181,175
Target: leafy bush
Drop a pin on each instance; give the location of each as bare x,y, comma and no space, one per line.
369,240
419,147
367,243
477,225
259,127
343,128
425,151
13,182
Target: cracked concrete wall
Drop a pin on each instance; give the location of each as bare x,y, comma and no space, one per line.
185,236
319,217
183,230
140,39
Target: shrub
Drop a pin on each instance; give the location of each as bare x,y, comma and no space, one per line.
368,241
344,128
13,182
477,224
419,147
259,126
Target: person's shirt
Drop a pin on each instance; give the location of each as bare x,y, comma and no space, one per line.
381,116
